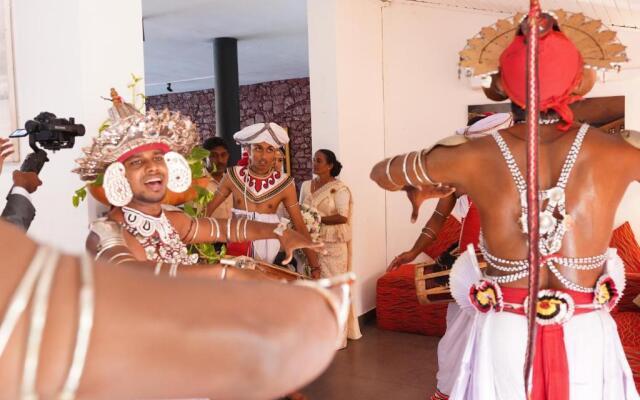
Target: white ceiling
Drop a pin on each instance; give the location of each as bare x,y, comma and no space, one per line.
616,13
272,34
178,48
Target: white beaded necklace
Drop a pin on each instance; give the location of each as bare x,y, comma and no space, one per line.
554,223
554,220
158,237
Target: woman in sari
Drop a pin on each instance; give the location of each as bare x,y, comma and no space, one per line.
332,198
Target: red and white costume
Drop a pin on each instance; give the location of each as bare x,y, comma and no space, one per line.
578,353
259,189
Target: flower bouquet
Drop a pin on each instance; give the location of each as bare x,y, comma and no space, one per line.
312,220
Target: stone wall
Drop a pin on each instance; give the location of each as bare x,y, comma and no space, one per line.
287,103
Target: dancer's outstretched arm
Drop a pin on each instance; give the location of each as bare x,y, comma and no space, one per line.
155,337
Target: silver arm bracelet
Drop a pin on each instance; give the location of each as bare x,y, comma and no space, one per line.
238,222
415,167
195,232
39,310
244,230
223,275
439,213
388,172
85,325
112,259
422,170
228,230
21,296
404,170
158,268
213,221
108,244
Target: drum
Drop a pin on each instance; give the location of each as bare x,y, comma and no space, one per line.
432,281
272,271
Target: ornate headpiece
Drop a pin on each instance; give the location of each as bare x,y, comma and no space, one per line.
131,132
268,132
598,46
168,130
568,43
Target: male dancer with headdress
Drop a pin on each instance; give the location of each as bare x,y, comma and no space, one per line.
258,189
578,353
141,157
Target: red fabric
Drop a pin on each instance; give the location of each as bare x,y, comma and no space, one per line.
550,364
448,235
145,147
633,356
470,228
560,70
624,240
238,248
518,295
244,160
628,328
438,395
397,307
631,291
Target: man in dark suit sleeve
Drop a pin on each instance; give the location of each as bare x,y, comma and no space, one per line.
19,210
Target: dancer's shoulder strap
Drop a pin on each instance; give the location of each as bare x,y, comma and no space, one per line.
449,141
632,137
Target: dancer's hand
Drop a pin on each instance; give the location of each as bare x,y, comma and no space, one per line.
403,258
417,196
291,240
6,149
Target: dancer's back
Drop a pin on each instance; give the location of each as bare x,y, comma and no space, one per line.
605,166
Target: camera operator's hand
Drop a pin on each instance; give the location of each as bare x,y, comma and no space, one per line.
27,180
6,149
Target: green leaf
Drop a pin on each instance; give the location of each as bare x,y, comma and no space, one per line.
190,210
79,196
197,170
198,153
104,126
203,195
99,180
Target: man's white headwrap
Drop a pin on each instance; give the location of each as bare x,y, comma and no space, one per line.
268,132
487,125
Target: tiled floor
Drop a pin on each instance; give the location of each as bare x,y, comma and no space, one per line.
383,365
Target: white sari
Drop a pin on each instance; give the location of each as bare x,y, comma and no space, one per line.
331,199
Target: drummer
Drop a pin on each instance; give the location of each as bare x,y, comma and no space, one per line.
463,209
147,161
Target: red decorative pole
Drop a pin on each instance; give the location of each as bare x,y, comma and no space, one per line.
533,212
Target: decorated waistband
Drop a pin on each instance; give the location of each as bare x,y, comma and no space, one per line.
555,306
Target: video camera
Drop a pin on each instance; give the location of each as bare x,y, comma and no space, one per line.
51,133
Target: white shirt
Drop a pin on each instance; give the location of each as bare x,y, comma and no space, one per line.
21,191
